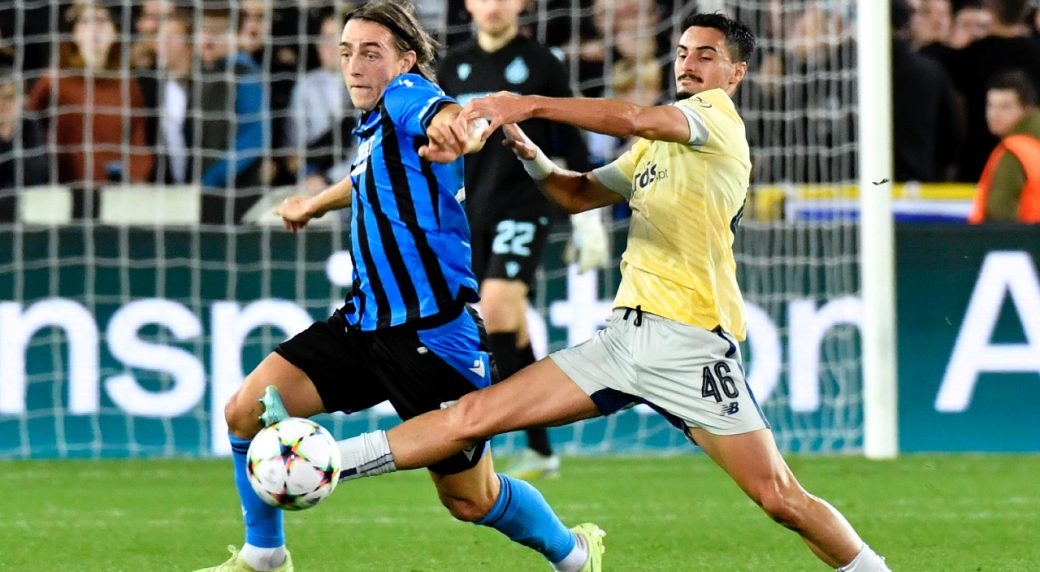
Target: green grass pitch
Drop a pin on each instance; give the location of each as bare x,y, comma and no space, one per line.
925,513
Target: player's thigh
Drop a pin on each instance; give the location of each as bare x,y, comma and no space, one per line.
503,305
296,389
322,368
540,395
694,376
751,459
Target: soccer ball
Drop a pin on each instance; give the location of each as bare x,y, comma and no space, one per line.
293,464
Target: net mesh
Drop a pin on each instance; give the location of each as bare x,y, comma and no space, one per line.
141,276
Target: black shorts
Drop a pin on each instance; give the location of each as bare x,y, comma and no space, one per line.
510,247
354,370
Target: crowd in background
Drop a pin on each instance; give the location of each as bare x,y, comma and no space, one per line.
244,96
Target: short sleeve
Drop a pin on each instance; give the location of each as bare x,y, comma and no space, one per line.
618,176
411,101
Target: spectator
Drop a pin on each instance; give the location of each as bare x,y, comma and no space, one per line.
970,23
22,159
1009,189
279,64
94,114
802,129
321,118
638,82
231,132
146,27
926,120
174,56
931,25
143,59
1008,46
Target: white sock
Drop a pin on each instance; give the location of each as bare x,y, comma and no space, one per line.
262,558
866,561
577,557
366,455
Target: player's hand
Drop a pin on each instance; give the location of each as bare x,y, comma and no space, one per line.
294,212
519,142
447,142
589,247
499,109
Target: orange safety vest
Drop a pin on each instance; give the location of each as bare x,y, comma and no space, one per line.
1027,150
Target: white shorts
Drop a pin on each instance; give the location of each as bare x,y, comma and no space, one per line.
692,376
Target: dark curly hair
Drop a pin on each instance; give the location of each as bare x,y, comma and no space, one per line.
739,38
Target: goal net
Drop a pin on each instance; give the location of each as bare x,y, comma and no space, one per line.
142,274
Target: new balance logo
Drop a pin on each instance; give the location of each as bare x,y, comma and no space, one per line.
478,367
731,408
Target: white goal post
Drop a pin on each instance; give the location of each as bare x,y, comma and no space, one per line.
877,250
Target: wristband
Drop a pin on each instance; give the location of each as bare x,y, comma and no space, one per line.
540,167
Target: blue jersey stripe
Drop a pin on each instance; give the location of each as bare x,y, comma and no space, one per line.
437,285
410,235
368,265
391,250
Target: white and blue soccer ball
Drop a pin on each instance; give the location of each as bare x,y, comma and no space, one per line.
293,464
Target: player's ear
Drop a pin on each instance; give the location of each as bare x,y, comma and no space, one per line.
739,71
407,61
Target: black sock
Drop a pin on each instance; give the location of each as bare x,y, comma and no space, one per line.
503,348
537,438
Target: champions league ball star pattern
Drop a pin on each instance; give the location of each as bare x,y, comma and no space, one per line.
293,464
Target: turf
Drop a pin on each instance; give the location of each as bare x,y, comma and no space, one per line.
934,513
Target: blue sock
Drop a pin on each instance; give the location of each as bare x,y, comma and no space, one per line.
522,514
263,521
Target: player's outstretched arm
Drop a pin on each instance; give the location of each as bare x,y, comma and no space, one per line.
296,211
609,116
449,138
573,191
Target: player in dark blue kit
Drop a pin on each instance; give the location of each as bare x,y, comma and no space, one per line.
509,218
405,333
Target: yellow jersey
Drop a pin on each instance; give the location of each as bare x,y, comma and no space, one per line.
686,201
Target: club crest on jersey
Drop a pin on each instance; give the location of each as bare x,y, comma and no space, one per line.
464,70
516,71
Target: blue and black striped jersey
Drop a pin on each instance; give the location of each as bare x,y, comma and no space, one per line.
411,245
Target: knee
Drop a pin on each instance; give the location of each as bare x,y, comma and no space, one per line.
785,503
467,509
242,416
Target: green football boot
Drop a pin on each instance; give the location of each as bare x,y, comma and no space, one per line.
237,564
593,536
274,409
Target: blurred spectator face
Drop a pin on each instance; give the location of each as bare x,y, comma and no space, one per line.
703,62
254,26
146,27
328,50
813,30
931,22
370,61
152,13
93,34
174,47
214,38
969,24
495,17
1004,110
8,103
636,82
